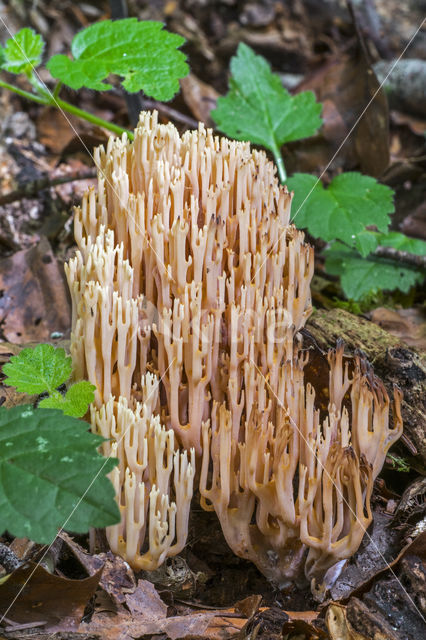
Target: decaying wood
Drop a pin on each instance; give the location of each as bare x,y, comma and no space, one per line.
393,360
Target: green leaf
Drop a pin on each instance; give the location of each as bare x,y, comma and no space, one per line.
23,51
259,109
75,402
361,276
143,53
37,370
51,475
401,242
351,203
2,57
366,242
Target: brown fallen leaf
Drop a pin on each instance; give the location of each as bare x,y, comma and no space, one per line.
407,324
144,599
357,622
337,624
117,577
249,606
267,624
416,125
415,223
32,595
345,86
60,133
34,302
302,628
199,97
147,616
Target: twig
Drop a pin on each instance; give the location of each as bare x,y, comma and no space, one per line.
8,559
20,627
30,189
401,256
169,111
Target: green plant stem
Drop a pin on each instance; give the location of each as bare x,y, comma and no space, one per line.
22,93
57,89
282,173
49,100
85,115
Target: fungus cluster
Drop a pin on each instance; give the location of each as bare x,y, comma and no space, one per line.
189,289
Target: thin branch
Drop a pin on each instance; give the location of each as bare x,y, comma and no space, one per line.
31,189
170,112
404,257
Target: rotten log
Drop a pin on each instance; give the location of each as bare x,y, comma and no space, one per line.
393,360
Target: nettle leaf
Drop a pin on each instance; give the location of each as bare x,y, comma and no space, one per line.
343,210
75,402
51,475
43,368
366,242
23,51
361,276
259,109
142,52
401,242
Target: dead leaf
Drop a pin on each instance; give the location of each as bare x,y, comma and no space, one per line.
356,622
337,624
224,627
200,97
146,599
266,624
23,547
148,615
407,324
366,624
117,578
415,224
32,595
417,126
345,86
34,300
377,552
303,628
63,134
249,606
344,591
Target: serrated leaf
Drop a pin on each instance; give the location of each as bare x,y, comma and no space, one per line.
23,51
37,370
343,210
75,402
401,242
360,276
259,109
51,475
366,242
143,53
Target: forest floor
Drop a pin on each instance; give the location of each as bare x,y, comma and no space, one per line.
207,592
